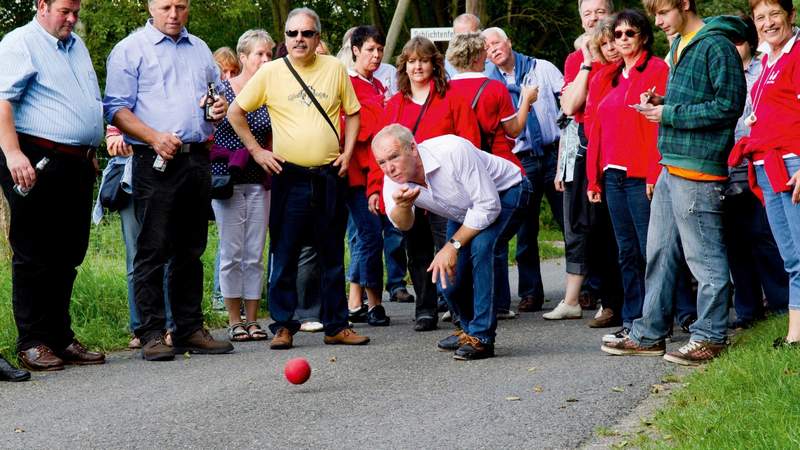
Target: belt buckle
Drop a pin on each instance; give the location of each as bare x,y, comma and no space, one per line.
185,148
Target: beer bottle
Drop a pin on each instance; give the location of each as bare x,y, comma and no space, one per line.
211,97
39,167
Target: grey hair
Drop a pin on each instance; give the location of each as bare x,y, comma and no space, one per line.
305,12
467,17
250,38
400,133
495,30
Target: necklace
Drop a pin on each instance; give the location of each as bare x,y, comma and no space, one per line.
765,75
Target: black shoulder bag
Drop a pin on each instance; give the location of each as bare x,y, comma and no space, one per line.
311,96
487,139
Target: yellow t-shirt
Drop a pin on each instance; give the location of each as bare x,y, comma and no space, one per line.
299,132
685,39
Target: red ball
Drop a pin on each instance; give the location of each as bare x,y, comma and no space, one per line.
297,370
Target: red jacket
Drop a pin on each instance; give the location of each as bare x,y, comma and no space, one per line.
639,153
371,97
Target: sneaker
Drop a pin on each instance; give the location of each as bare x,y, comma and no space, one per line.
695,353
425,324
617,335
157,350
506,315
605,318
453,342
472,348
628,347
687,323
311,327
347,336
447,317
201,342
358,315
530,303
782,343
377,317
282,340
564,311
587,300
401,295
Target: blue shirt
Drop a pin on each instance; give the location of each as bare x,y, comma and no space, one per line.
51,85
161,81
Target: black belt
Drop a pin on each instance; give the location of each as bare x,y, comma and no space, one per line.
313,170
185,148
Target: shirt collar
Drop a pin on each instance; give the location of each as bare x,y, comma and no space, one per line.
766,49
65,45
353,73
157,36
468,75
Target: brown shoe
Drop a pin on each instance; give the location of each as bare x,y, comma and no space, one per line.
695,353
201,342
605,319
587,300
157,350
282,340
78,355
347,336
627,346
40,358
530,303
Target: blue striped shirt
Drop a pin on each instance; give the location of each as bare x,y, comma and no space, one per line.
161,81
51,85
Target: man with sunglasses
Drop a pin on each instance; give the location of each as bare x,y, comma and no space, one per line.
155,89
305,94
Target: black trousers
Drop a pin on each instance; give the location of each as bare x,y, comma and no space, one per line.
172,207
49,236
420,247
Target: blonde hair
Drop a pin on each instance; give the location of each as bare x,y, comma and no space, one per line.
603,32
250,38
226,59
465,49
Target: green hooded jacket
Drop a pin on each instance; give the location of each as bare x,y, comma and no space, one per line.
706,93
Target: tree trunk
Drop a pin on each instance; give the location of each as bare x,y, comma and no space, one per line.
375,16
394,29
280,9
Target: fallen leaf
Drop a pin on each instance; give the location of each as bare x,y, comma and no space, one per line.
572,400
333,359
531,369
513,399
18,430
538,389
667,437
617,389
656,388
620,444
186,355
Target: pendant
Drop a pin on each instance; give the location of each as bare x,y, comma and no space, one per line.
750,120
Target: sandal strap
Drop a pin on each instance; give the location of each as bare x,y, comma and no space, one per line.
237,326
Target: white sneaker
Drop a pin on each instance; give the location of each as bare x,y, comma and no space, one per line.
447,317
616,336
311,327
564,311
506,315
599,312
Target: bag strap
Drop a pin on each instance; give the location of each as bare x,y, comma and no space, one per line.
478,94
311,96
422,112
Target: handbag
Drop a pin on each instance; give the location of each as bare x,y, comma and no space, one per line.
112,196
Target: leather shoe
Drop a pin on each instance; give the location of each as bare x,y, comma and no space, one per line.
40,358
201,342
282,340
157,350
530,303
347,336
606,318
78,355
401,295
425,324
11,373
472,348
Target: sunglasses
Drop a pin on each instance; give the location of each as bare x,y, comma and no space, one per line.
304,33
630,33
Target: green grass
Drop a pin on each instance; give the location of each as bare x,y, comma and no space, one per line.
747,399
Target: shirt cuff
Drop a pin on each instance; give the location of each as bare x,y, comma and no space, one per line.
480,220
667,115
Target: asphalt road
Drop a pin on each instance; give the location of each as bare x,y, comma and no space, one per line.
549,387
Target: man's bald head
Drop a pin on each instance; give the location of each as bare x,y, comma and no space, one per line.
466,23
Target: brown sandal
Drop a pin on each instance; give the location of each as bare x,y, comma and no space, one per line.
238,333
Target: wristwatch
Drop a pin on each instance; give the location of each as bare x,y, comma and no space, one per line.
585,67
456,244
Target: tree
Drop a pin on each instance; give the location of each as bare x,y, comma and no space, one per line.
15,13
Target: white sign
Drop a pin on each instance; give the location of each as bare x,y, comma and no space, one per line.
434,34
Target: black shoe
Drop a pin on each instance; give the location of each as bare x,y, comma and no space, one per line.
782,343
401,295
687,323
425,324
441,305
359,315
742,324
11,373
473,349
452,342
377,317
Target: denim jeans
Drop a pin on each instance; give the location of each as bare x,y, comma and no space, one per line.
308,208
541,172
472,294
130,232
685,215
629,209
784,219
756,264
308,302
366,241
394,253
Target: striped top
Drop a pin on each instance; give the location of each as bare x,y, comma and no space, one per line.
51,85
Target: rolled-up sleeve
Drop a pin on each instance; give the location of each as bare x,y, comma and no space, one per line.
481,190
122,82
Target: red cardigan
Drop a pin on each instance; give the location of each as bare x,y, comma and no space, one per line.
640,155
371,98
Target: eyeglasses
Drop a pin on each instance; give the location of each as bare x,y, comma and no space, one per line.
305,33
630,33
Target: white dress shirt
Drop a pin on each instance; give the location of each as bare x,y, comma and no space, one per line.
463,182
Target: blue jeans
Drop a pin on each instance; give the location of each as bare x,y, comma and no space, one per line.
308,208
629,209
366,241
784,219
472,295
685,215
394,253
